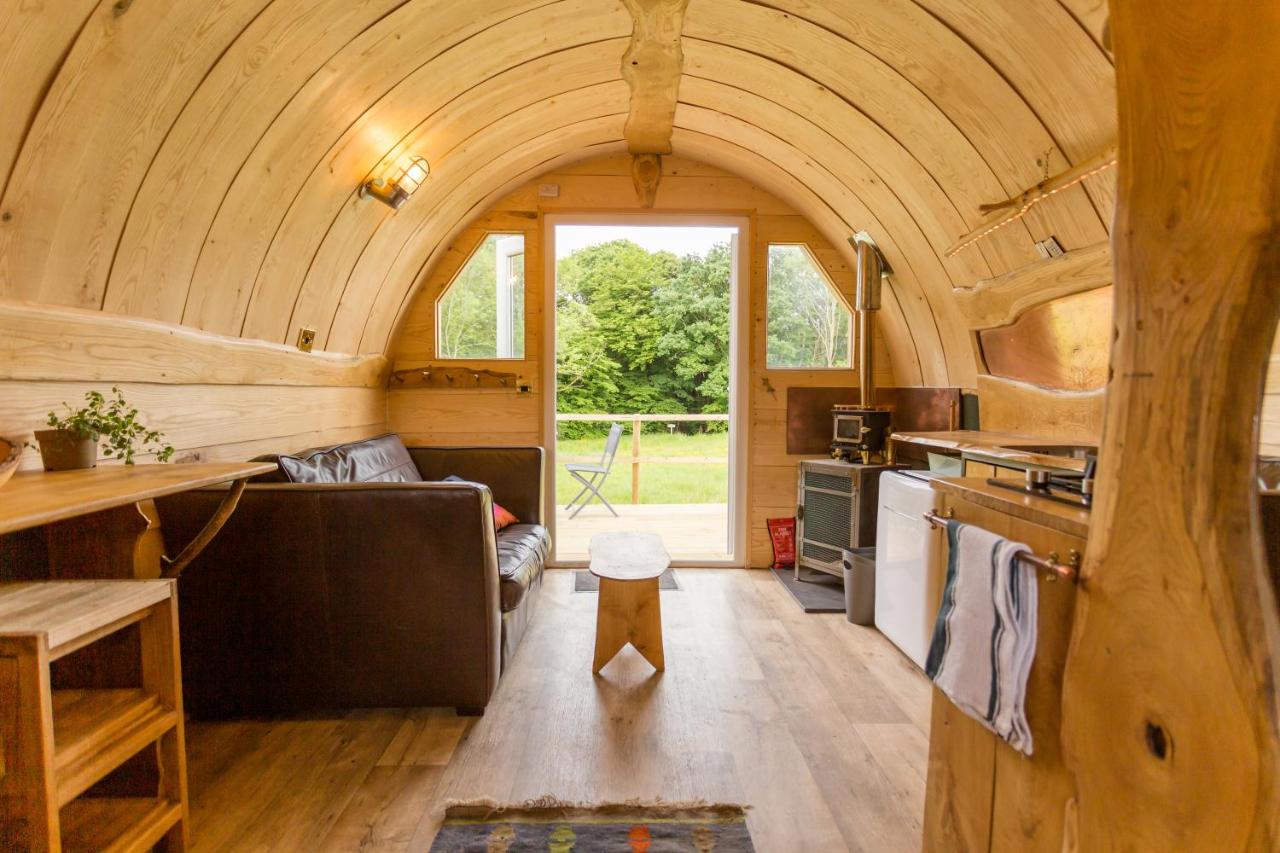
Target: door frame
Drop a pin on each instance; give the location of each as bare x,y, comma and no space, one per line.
739,363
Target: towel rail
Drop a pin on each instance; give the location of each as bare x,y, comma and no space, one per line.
1050,564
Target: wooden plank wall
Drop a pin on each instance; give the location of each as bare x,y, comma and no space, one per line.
213,397
605,185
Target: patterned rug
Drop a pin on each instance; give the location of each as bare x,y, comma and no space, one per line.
556,827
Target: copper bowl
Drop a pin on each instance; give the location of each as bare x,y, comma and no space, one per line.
10,453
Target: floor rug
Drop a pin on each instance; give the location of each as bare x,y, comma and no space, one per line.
584,581
818,592
551,826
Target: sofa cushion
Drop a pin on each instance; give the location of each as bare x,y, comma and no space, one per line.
502,517
522,555
376,460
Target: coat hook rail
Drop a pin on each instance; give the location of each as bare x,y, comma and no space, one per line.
1051,564
442,376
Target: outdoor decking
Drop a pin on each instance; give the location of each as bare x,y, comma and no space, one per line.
690,531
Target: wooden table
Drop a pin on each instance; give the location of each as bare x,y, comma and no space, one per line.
629,609
102,522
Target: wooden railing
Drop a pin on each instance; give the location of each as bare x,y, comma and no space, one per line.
637,425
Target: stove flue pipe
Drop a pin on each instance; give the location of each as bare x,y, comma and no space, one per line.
871,272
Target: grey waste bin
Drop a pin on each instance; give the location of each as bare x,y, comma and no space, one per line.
860,585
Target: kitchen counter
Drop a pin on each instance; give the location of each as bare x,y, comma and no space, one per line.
994,447
1057,516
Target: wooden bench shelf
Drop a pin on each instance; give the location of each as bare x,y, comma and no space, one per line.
116,824
63,742
95,731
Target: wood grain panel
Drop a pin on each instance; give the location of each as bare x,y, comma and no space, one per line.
39,342
203,416
450,417
1001,300
35,35
860,77
322,236
227,116
874,151
81,164
1059,83
1063,344
369,70
955,74
218,189
1009,406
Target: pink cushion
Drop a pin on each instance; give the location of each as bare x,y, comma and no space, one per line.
502,518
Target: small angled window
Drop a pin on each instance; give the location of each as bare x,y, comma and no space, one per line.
808,325
481,314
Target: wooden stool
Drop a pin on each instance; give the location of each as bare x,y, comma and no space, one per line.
629,611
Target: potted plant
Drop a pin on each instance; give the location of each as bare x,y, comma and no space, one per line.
72,441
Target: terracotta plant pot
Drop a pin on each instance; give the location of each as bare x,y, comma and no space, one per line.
63,450
10,453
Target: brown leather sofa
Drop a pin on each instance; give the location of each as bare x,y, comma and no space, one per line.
353,578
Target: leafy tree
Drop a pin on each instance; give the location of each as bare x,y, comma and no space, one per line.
467,324
808,325
643,332
468,312
693,306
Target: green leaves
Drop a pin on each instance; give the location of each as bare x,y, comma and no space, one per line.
808,326
116,422
642,332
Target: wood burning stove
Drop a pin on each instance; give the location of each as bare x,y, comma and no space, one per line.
862,431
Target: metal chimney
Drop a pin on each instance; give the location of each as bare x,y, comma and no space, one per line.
871,272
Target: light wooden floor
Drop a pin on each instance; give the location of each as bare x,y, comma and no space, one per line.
690,531
819,725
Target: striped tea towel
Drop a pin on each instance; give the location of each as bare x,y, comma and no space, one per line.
985,637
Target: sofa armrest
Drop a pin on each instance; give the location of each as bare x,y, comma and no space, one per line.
515,475
361,594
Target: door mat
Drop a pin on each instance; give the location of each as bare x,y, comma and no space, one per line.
816,592
584,581
548,824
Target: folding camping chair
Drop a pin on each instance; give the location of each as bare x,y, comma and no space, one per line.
590,483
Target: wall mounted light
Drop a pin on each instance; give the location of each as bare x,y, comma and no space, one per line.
410,174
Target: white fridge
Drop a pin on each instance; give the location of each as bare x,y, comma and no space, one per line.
909,562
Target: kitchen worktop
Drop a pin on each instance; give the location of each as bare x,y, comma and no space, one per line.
1058,516
994,446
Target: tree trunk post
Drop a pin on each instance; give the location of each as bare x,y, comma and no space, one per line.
1170,688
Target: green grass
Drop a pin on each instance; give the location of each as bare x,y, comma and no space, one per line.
660,482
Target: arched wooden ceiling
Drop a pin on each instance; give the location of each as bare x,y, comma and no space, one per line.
198,162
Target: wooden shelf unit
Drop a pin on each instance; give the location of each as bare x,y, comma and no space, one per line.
62,742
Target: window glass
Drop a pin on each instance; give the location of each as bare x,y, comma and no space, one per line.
481,314
808,325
